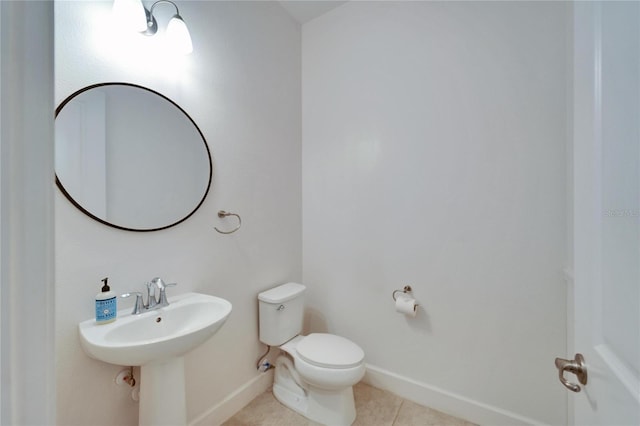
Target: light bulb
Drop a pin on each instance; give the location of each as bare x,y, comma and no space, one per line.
178,35
130,14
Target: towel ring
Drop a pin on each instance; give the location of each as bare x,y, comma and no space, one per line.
223,214
406,289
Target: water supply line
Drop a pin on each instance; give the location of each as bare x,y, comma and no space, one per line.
263,363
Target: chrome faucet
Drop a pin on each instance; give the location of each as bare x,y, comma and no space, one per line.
162,286
151,295
153,303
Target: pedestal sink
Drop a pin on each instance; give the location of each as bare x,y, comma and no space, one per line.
156,341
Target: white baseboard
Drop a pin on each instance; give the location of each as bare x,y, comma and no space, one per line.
442,400
405,387
225,409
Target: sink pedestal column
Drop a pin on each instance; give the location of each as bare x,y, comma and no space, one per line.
162,393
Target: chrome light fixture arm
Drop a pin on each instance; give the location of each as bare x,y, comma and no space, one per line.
177,30
152,24
130,12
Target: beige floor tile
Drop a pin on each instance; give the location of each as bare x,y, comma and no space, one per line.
412,414
375,406
265,410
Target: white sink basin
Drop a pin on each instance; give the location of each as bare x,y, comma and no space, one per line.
169,332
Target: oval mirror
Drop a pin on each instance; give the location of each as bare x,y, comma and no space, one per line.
130,157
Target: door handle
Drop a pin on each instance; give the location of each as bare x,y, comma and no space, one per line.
575,366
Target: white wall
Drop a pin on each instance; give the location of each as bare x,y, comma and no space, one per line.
242,86
434,155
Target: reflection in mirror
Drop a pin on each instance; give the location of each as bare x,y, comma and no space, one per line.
130,157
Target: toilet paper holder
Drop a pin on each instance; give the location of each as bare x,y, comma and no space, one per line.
406,289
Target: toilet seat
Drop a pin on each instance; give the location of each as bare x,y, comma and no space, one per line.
329,351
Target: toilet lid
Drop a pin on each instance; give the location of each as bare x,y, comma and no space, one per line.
328,350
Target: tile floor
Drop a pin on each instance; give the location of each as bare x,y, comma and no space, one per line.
375,407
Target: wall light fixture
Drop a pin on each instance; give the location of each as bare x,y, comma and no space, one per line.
177,32
131,14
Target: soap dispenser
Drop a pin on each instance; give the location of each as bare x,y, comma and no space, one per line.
106,302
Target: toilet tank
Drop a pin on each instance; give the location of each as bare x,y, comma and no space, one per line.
281,312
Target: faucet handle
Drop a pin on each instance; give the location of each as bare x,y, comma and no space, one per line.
159,282
138,306
163,293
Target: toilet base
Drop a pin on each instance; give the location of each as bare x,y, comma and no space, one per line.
291,399
335,407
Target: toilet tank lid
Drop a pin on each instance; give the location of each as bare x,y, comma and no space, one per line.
282,293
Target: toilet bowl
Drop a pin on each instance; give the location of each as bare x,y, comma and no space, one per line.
315,377
314,374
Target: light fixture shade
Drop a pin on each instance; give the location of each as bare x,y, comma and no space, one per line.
130,14
178,35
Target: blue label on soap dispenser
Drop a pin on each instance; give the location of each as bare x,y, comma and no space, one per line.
106,310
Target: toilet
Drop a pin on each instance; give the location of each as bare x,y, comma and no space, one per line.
314,374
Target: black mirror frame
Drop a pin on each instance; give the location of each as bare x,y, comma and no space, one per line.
104,222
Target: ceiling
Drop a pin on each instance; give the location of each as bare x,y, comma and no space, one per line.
306,10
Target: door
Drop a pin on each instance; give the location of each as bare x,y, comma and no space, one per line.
606,212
